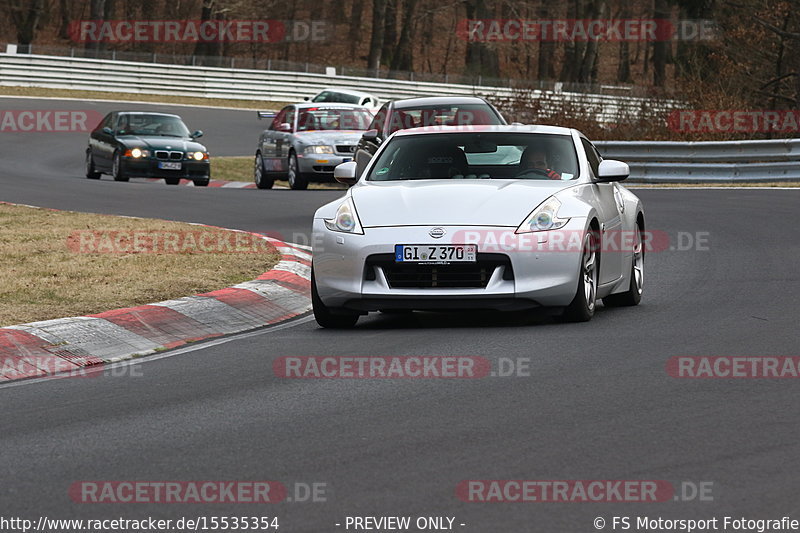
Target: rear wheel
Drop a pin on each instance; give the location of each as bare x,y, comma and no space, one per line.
91,173
581,309
116,168
297,180
634,293
172,181
329,317
260,175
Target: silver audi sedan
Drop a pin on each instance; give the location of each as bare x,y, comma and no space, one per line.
479,217
306,141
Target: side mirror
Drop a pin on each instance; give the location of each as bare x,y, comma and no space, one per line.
108,131
285,127
612,170
370,135
196,134
345,173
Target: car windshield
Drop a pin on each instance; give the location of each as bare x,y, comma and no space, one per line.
319,118
442,115
485,155
151,125
331,96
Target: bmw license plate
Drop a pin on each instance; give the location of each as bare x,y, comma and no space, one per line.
168,165
425,253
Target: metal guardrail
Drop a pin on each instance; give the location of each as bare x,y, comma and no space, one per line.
770,160
211,82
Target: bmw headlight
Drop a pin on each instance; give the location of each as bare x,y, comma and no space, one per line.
197,156
543,218
137,153
346,219
318,149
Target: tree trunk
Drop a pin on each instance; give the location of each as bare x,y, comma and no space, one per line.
547,50
389,31
482,57
660,47
376,40
403,59
624,65
588,71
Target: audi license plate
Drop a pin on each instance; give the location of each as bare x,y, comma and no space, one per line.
165,165
425,253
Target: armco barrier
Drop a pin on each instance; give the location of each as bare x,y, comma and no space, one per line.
770,160
59,72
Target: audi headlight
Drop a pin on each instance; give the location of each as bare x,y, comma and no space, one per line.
346,219
197,156
543,218
318,149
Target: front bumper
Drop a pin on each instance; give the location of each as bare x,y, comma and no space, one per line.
321,164
148,168
527,274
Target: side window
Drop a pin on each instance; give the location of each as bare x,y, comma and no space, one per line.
591,155
105,123
279,119
290,117
380,119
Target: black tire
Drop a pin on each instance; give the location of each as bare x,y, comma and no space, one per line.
91,172
263,181
201,183
328,317
634,293
172,181
582,307
297,180
116,168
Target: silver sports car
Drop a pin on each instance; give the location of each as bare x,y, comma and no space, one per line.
479,217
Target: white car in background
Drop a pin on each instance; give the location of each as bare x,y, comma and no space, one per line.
479,217
345,96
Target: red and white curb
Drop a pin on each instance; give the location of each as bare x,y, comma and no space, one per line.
67,344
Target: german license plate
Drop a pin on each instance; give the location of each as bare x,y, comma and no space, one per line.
169,165
426,253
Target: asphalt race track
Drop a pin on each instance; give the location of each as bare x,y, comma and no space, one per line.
598,403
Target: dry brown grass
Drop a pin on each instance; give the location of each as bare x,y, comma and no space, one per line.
240,168
138,97
42,278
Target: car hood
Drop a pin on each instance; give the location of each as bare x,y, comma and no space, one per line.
451,202
331,137
158,142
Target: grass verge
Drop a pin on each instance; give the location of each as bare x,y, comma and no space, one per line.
240,168
140,97
45,274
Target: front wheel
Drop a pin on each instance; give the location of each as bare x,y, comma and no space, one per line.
634,293
328,317
581,309
297,180
91,172
260,175
116,168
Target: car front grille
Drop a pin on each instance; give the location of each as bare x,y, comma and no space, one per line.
167,155
345,148
452,276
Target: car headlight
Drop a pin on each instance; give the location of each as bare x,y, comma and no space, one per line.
137,153
543,218
197,156
318,149
346,219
